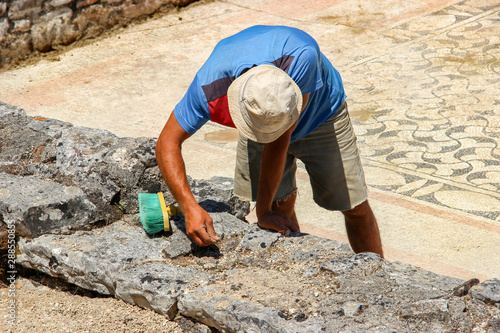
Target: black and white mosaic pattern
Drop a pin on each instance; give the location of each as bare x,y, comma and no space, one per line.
426,109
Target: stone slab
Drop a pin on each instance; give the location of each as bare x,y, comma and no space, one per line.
40,207
92,259
157,286
487,291
300,283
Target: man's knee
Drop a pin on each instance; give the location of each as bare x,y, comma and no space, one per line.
360,210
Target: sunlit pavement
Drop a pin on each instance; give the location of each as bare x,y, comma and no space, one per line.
423,85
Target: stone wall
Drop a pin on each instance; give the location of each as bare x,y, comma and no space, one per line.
28,26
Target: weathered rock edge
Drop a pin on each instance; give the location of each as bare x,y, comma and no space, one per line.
255,280
28,26
38,206
59,178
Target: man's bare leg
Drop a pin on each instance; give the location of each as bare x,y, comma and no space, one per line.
362,229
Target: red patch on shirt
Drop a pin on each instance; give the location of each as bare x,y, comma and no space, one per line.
219,112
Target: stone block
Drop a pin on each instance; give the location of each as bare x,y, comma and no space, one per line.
60,3
242,290
157,286
179,244
230,315
22,26
19,47
41,206
51,127
93,20
107,168
3,8
220,189
4,28
52,29
253,280
20,9
487,291
85,3
91,259
258,239
134,9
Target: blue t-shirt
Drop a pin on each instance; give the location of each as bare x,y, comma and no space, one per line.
290,49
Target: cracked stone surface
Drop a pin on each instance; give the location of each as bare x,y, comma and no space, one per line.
109,170
252,280
40,207
300,283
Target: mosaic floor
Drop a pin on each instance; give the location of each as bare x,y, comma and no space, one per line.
434,118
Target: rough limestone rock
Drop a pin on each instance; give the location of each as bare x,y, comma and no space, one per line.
252,280
157,286
91,259
53,28
108,168
230,315
179,244
487,291
111,171
292,284
216,195
40,207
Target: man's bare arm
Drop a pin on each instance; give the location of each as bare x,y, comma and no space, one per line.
272,165
199,224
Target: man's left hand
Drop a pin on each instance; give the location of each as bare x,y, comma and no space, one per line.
278,222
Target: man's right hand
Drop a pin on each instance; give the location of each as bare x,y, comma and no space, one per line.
199,227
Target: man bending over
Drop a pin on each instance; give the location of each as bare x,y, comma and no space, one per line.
287,101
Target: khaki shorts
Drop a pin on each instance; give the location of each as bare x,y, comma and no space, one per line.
330,156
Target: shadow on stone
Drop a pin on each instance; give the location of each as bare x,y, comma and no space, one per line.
213,206
38,279
212,251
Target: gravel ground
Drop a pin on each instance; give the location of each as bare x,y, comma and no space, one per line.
40,308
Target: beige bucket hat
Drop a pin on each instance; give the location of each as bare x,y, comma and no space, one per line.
264,102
